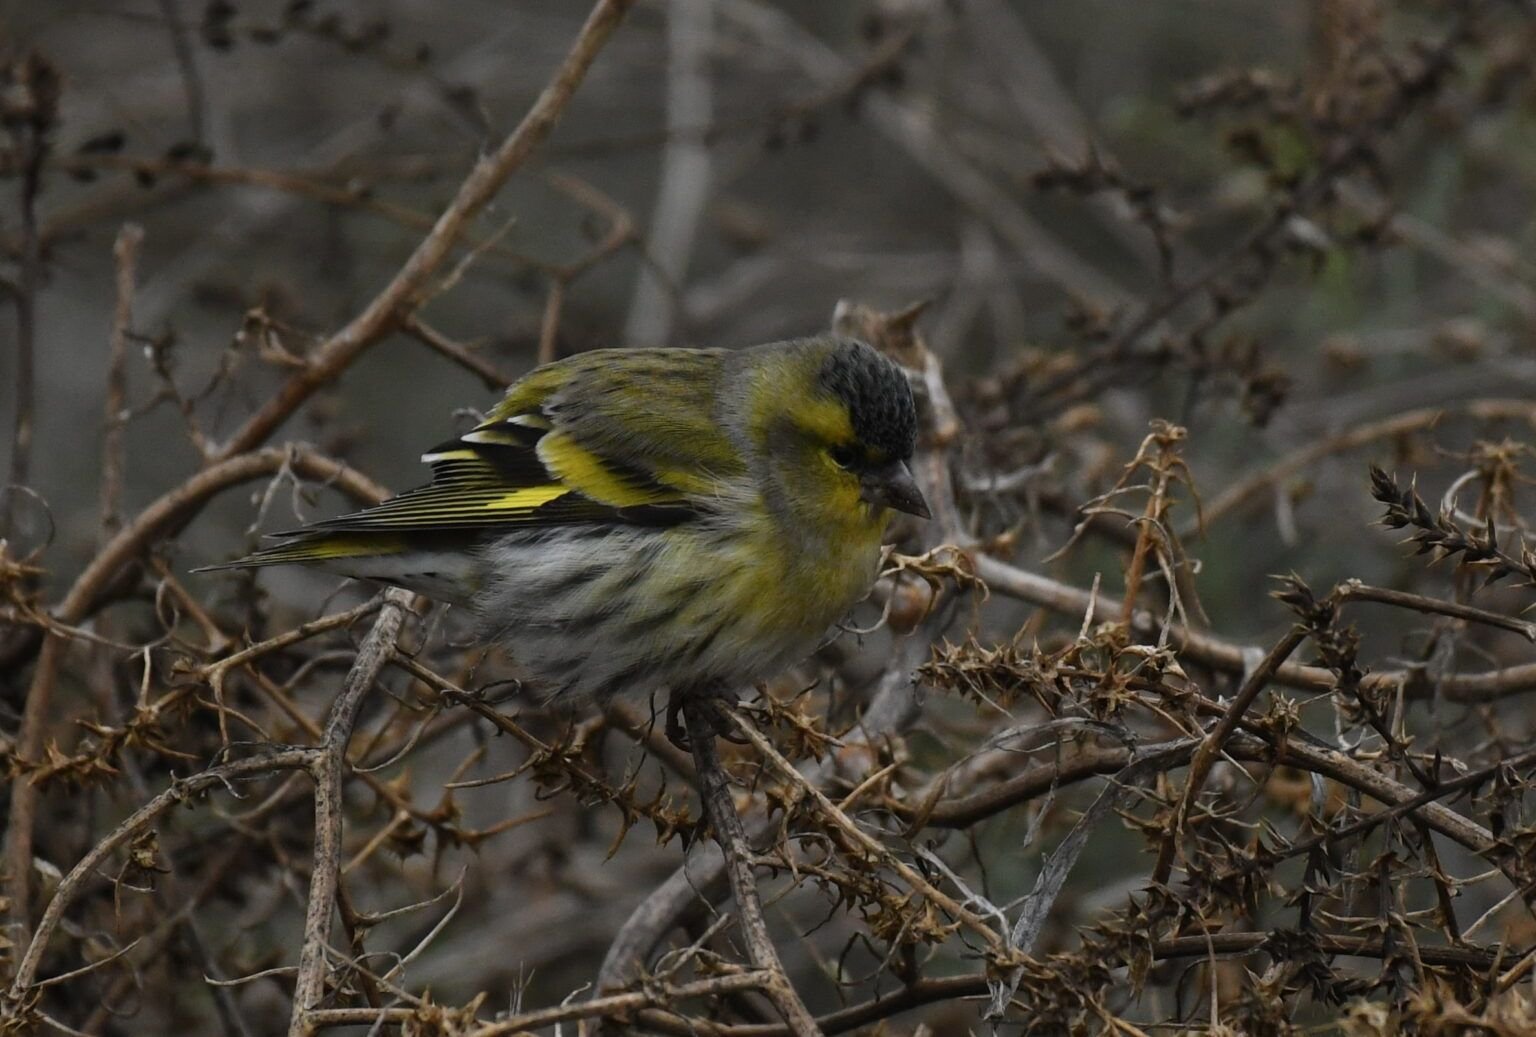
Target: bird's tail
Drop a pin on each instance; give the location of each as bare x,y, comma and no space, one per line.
444,571
324,549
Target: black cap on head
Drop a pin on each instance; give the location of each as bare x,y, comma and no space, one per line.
878,397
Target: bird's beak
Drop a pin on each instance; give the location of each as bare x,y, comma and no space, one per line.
892,486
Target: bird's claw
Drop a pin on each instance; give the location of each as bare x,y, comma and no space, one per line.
677,734
719,721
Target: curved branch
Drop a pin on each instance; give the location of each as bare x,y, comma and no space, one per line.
404,293
158,520
179,792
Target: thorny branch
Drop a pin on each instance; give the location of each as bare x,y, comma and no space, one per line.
1316,811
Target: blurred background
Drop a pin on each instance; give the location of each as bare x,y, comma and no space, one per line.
1280,226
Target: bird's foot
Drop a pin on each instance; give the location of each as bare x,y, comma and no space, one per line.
714,699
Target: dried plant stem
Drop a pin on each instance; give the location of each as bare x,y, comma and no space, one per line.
1211,746
329,769
715,790
843,823
1354,590
1152,514
1229,657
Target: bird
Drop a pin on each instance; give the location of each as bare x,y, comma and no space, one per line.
633,520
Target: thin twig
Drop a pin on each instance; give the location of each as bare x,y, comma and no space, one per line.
1354,590
1211,747
914,880
455,351
1244,490
126,253
314,185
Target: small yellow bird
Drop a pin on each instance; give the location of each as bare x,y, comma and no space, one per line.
629,520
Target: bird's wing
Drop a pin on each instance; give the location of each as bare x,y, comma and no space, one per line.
619,436
629,425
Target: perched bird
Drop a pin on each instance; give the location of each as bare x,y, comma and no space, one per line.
630,520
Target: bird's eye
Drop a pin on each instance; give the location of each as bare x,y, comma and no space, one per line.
843,456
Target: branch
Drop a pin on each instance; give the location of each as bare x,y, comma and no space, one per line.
614,1005
876,849
328,769
953,988
1244,490
1354,590
683,191
481,368
179,792
715,790
1211,745
89,587
404,293
1229,657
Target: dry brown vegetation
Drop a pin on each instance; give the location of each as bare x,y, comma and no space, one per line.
1235,298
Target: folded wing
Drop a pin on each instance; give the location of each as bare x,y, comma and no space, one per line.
608,437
